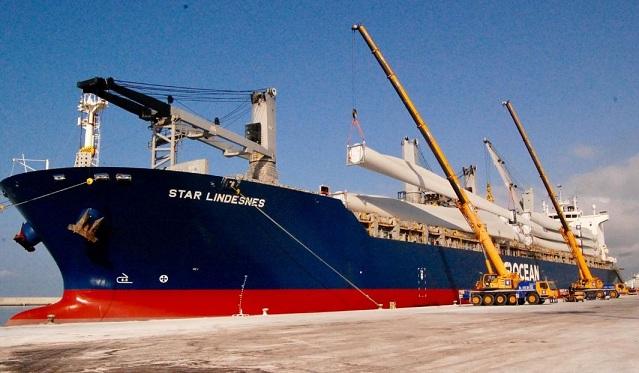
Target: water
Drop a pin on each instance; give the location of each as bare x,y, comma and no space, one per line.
6,312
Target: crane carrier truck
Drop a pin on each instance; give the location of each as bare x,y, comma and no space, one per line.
498,286
587,285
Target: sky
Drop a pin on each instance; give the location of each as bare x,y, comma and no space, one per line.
570,68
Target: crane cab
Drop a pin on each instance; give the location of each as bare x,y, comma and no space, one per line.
547,290
620,289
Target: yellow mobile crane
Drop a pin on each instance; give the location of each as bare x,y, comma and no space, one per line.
499,286
587,285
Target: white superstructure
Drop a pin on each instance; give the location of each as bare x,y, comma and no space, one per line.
579,222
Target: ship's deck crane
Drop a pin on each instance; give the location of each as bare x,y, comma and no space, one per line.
169,124
498,286
592,286
500,165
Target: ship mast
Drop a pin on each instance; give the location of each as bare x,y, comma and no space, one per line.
89,107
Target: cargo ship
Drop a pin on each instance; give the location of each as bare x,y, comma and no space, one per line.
173,241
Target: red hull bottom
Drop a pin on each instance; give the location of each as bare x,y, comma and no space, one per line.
121,305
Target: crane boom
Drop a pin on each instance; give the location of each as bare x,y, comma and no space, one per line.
188,124
493,261
584,271
500,165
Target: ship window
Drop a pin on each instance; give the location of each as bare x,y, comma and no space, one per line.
101,176
59,177
123,177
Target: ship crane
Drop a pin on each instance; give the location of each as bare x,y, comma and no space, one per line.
510,185
170,124
499,286
587,285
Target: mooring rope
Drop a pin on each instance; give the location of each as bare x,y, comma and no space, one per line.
379,305
88,181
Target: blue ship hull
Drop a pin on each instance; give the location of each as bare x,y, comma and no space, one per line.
173,244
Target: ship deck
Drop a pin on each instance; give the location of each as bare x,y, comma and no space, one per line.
595,335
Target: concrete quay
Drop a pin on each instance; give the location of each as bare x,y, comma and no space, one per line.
595,336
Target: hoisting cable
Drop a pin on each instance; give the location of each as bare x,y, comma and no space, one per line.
189,93
486,167
421,155
235,115
88,181
515,176
179,102
353,73
355,124
379,305
489,189
355,121
227,119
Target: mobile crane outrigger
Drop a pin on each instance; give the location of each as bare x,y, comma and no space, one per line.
498,286
588,286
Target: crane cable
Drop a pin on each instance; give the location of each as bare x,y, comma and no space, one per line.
489,189
89,181
378,305
190,93
182,94
355,125
423,158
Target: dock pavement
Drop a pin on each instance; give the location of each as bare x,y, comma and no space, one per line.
594,336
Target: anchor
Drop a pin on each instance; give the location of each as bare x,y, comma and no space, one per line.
87,225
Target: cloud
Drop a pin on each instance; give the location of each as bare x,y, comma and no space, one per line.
584,151
615,188
5,273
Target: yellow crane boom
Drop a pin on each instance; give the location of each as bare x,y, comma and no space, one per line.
494,263
586,278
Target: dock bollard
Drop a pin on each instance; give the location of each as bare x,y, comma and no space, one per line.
264,311
50,318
